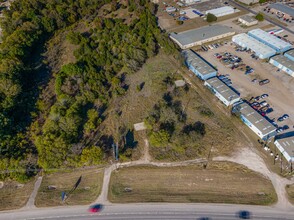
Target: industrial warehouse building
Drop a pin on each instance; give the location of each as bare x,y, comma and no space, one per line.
248,2
286,147
248,20
200,67
222,11
257,123
270,40
283,63
194,37
222,91
261,50
288,12
290,54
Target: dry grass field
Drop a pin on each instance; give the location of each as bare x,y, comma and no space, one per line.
136,105
290,191
14,195
88,190
219,183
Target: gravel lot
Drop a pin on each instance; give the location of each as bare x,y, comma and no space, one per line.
280,89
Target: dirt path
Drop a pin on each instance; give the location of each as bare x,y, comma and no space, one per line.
146,155
257,164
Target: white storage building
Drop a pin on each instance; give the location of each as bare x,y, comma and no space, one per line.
257,123
283,63
202,35
222,11
290,54
270,40
286,147
199,66
222,91
248,20
261,50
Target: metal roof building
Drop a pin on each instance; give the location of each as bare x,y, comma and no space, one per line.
261,50
283,8
257,123
247,20
283,63
199,66
222,91
202,35
286,147
222,11
270,40
290,54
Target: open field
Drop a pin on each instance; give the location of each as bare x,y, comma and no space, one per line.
290,191
14,195
219,183
86,192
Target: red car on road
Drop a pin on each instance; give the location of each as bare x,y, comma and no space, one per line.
95,208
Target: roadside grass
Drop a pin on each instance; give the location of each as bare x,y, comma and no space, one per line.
290,192
88,190
221,182
13,196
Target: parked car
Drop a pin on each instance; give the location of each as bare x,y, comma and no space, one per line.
257,98
285,116
263,114
285,127
280,119
263,103
263,82
264,96
269,110
279,130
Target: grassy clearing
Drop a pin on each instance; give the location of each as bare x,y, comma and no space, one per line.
15,195
290,192
136,105
220,183
87,191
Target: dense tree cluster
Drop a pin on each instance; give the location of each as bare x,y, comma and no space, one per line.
108,51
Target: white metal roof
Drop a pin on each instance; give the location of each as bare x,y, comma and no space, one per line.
201,65
269,38
253,44
221,10
225,91
287,144
284,61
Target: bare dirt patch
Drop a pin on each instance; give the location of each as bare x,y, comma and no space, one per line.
219,183
86,192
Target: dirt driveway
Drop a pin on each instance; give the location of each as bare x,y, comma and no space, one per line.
280,89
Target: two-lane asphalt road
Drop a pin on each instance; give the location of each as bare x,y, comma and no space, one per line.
265,17
149,211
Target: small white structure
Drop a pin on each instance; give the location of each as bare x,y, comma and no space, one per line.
180,83
190,2
222,91
286,147
222,11
190,14
140,126
170,9
248,20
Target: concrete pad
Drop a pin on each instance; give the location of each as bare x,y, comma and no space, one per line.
140,126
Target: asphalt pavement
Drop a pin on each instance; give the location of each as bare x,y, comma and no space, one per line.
265,16
148,211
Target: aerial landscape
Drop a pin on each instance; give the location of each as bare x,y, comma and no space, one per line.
146,109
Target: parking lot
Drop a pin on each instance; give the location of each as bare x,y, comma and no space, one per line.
280,89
